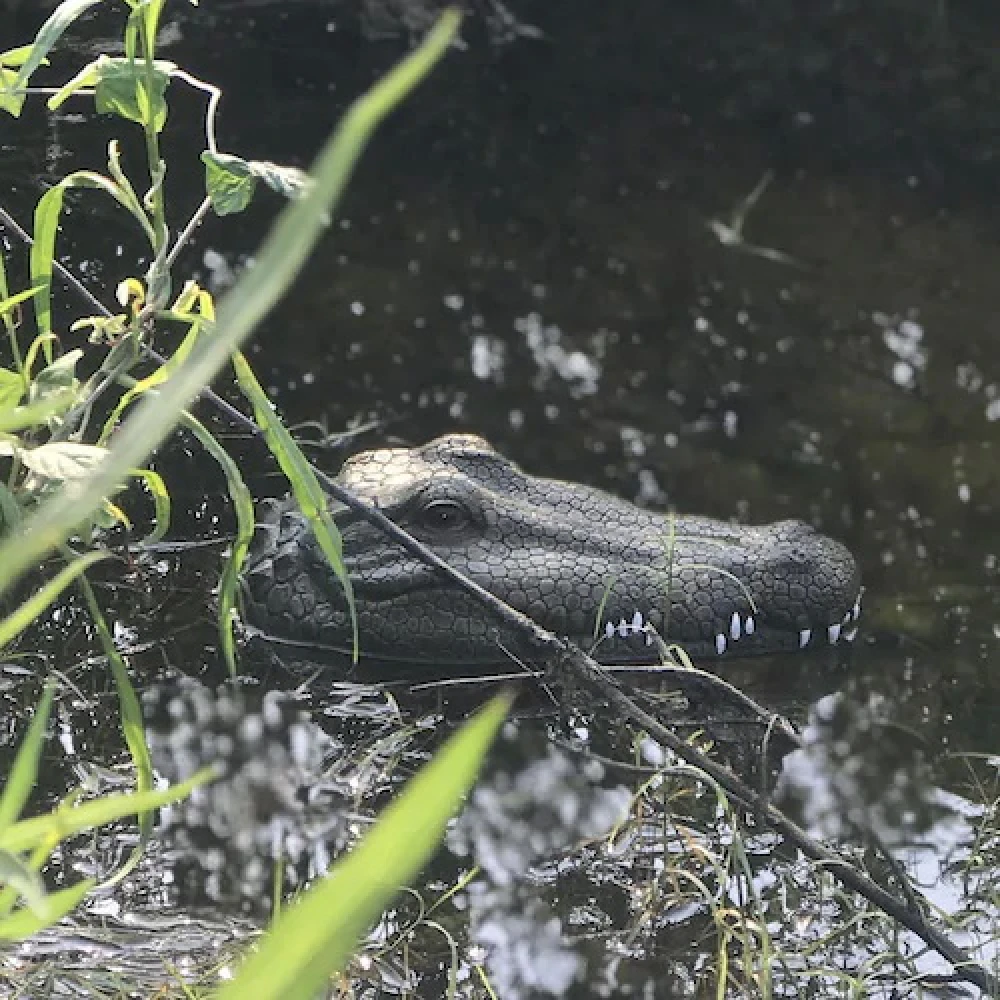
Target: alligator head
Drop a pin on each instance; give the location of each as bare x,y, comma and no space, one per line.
580,562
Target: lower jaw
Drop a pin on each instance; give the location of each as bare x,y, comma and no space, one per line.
637,647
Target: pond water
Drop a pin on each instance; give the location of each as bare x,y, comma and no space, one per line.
730,258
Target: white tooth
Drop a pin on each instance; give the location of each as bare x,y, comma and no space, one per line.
848,616
623,628
637,621
850,635
834,633
857,608
748,625
649,638
804,636
720,644
609,630
735,628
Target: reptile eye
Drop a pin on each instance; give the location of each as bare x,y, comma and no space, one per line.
443,515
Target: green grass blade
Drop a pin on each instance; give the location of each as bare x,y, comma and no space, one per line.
10,511
131,712
53,907
21,780
133,728
283,253
56,826
44,345
19,619
309,495
8,320
87,76
243,506
43,250
48,34
315,936
161,503
9,303
152,381
47,214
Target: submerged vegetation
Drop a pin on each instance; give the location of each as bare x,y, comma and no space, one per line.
604,850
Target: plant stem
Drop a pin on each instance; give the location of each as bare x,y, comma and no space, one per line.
157,166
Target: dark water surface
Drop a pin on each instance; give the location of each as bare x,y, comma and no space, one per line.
536,249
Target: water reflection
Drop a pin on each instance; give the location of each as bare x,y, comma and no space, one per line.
859,769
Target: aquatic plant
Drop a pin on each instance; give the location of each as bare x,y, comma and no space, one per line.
64,468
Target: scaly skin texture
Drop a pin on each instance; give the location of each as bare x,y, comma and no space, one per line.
581,562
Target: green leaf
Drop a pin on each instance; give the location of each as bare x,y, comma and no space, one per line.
309,495
161,503
21,780
229,182
48,34
133,729
57,376
11,102
10,511
15,57
9,304
288,181
64,460
67,821
298,229
245,520
47,213
36,414
43,250
316,935
22,616
134,89
86,77
53,907
11,389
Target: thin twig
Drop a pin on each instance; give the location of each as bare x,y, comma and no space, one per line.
196,220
